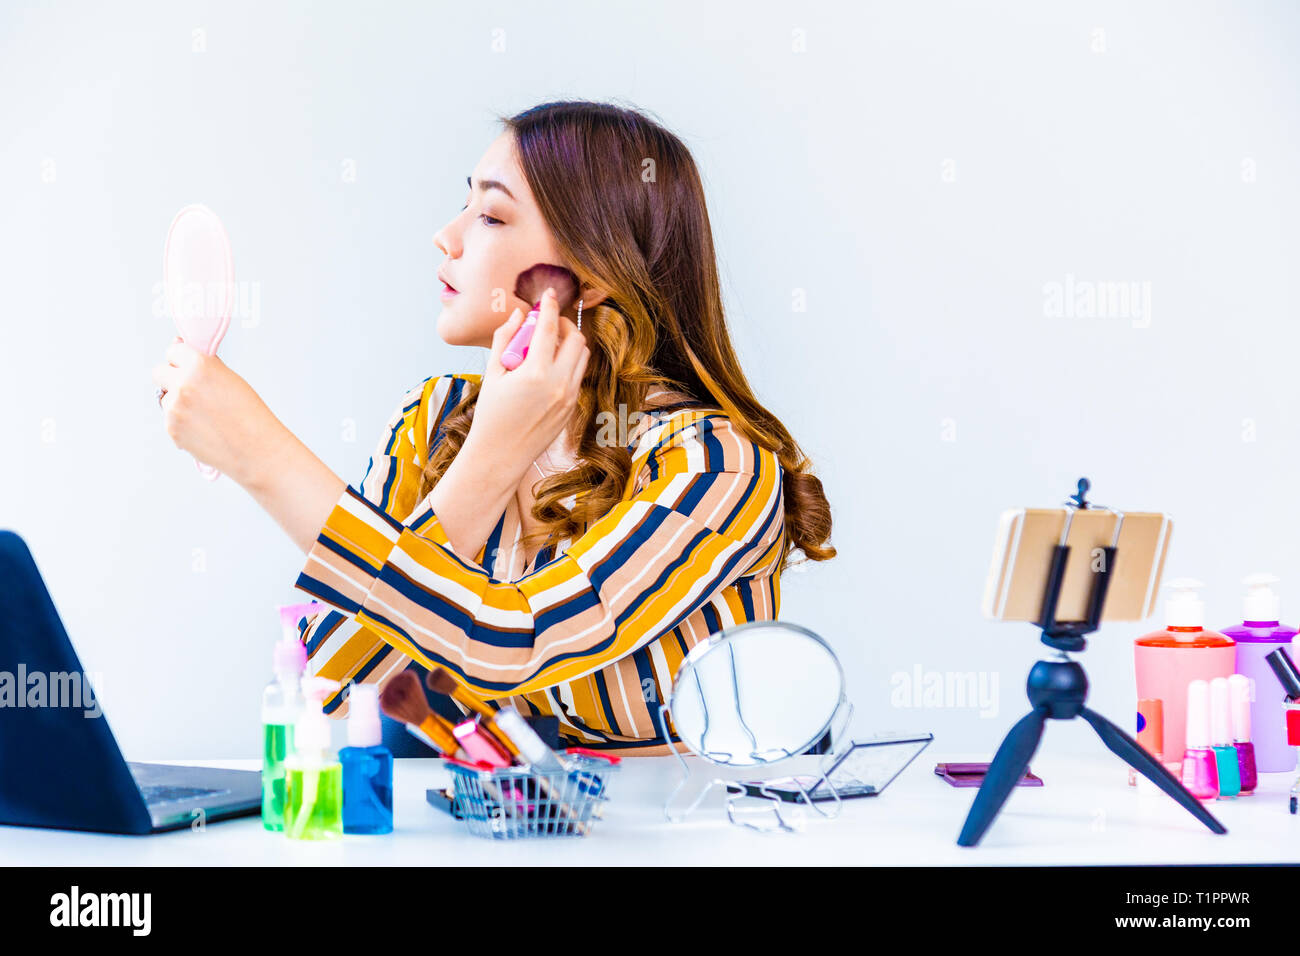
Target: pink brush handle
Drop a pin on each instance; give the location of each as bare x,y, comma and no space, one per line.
518,347
207,471
197,248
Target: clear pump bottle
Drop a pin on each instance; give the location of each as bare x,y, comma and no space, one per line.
313,792
281,707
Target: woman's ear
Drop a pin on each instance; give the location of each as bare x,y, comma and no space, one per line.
590,298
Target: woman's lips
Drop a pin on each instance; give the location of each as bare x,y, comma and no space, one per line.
448,292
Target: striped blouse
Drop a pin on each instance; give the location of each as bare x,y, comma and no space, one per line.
591,633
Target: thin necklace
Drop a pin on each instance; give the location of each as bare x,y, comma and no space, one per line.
521,523
539,470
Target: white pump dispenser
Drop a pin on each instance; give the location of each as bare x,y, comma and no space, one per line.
1184,608
364,728
311,734
1261,603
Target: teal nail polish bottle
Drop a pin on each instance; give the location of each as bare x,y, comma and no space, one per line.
1225,754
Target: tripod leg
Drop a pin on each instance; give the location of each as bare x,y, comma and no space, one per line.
1135,756
1005,771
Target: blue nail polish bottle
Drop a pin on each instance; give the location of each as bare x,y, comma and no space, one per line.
1225,754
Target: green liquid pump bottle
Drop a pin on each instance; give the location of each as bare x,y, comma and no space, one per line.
313,792
281,706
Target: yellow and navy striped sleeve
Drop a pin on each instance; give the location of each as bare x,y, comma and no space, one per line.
704,508
338,646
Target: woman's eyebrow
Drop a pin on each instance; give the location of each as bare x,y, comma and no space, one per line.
486,184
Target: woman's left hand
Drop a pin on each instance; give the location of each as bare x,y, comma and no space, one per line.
212,413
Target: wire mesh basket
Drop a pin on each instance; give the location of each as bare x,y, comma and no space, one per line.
512,802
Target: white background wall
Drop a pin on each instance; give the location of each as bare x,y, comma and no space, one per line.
922,172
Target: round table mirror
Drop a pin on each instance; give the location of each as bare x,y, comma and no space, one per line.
756,693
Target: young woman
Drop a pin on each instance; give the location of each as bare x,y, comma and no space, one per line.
557,536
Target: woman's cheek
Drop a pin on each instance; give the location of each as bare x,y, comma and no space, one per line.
447,327
456,328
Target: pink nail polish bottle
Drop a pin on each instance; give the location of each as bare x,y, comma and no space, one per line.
1239,691
1200,773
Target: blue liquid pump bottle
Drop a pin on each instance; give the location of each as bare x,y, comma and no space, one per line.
367,766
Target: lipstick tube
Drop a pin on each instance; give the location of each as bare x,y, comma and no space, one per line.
1289,678
1293,722
480,746
1150,733
440,682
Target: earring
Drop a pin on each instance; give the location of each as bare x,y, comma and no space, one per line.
579,314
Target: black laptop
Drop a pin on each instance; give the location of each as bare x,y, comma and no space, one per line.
59,764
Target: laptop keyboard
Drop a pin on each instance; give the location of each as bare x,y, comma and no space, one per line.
162,793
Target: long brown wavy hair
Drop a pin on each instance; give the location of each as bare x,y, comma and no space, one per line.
625,204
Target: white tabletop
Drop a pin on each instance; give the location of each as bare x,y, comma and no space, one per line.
1085,814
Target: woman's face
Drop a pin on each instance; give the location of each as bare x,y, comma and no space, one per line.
499,234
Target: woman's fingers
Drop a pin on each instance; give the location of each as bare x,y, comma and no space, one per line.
572,358
547,332
168,376
579,369
501,338
181,355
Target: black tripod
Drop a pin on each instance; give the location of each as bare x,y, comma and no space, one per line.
1057,690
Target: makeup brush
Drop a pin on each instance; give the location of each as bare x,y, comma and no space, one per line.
440,682
529,286
402,699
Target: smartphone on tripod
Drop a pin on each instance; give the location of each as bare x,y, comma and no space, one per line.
1022,559
1067,570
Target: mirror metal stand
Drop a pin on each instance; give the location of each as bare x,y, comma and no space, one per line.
688,681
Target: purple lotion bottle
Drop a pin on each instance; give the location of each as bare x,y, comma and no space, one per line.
1257,636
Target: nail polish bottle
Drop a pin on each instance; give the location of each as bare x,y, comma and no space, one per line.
1239,692
1225,754
1150,734
1199,772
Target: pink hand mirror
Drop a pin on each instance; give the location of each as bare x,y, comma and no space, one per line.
199,284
